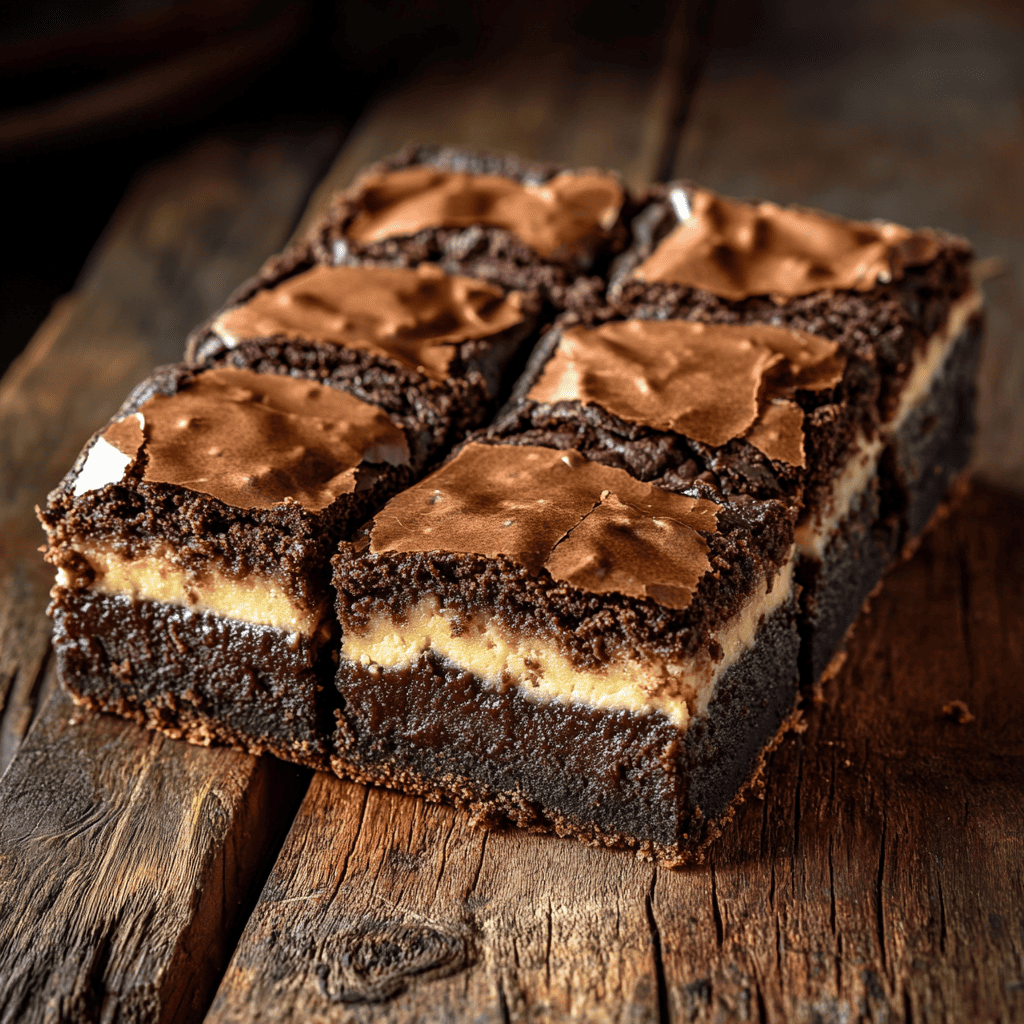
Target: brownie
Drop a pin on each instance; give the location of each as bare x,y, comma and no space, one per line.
598,613
417,342
521,224
218,492
885,442
522,598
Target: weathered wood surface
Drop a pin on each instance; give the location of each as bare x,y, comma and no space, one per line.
541,101
126,859
905,109
879,879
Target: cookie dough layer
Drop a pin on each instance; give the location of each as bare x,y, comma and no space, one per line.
500,657
157,578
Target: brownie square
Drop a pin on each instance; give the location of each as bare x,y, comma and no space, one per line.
524,225
549,640
192,539
430,348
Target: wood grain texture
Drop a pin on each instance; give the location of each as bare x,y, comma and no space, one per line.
881,877
903,109
126,859
387,908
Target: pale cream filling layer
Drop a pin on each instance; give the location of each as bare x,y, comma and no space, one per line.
816,530
544,673
928,366
153,578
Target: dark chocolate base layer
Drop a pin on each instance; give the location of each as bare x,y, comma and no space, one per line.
835,587
933,444
194,674
607,777
930,449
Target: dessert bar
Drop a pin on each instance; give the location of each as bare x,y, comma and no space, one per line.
383,333
528,226
190,540
885,444
549,640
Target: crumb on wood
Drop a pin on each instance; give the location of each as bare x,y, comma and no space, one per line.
958,711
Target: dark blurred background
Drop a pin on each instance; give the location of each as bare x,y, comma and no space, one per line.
95,90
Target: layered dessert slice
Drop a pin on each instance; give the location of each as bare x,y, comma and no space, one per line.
904,311
551,641
529,226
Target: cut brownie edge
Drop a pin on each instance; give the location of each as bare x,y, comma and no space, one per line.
887,494
931,443
195,674
637,781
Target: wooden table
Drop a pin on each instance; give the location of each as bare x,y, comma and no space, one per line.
879,878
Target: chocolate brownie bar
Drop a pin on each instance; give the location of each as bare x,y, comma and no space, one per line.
523,225
417,337
550,640
901,305
191,539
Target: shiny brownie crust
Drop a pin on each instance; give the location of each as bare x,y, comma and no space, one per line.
473,376
670,460
636,781
194,674
879,330
488,253
286,544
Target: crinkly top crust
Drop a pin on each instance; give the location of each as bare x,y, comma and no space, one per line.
251,440
592,526
708,382
560,215
417,317
737,250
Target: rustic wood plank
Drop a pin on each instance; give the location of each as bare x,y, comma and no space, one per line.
404,912
907,110
124,871
127,859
